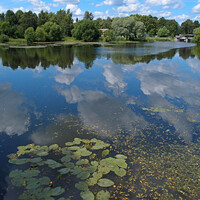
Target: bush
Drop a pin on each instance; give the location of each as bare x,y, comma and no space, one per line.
109,35
4,38
30,35
86,30
163,32
40,35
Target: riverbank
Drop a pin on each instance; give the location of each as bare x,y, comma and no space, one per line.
73,41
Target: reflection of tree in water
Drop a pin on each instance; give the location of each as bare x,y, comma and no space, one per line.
186,53
32,57
197,51
119,58
86,54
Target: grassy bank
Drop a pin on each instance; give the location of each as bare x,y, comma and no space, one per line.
155,39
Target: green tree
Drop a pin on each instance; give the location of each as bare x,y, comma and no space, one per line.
55,32
11,18
40,34
43,17
109,35
187,27
28,19
197,35
4,38
88,15
65,21
163,32
2,17
172,26
86,30
30,35
18,15
127,27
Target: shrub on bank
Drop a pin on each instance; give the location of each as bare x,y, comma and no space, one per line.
4,38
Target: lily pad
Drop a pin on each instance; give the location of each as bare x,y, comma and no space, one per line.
21,161
81,186
66,159
82,162
57,191
52,163
83,175
53,147
120,156
121,163
103,195
69,144
97,175
70,165
42,153
92,181
103,169
64,170
76,170
104,182
120,172
77,141
74,148
94,163
91,169
87,195
100,145
105,152
36,160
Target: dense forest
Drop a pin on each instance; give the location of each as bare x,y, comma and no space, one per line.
50,26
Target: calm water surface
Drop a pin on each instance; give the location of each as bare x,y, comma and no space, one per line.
143,99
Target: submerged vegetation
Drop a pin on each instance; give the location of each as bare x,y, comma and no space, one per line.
83,162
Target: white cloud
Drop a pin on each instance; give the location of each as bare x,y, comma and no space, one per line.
128,8
110,3
39,5
20,8
14,118
181,17
67,76
196,9
2,9
74,9
67,1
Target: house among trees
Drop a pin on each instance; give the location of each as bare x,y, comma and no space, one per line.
103,30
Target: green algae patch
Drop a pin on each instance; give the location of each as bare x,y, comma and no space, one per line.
50,168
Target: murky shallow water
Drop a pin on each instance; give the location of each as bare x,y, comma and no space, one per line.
143,99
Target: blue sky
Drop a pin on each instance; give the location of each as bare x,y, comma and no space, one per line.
170,9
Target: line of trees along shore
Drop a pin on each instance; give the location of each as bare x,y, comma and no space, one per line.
50,26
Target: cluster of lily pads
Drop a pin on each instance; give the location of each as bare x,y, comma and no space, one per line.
86,160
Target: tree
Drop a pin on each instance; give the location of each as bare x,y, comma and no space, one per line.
172,26
109,35
2,17
197,35
86,30
18,15
40,34
88,15
28,19
43,17
11,18
30,35
65,21
163,32
187,27
127,27
4,38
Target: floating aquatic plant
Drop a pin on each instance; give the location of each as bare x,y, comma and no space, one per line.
79,158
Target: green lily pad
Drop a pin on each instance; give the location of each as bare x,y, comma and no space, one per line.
69,165
94,163
77,141
69,144
81,186
52,163
120,172
44,180
85,152
36,160
105,153
87,195
91,169
103,195
42,153
53,147
97,175
12,156
74,148
66,159
57,191
66,151
92,181
30,173
120,156
100,145
83,175
82,162
85,141
76,170
104,182
64,170
121,163
15,173
103,169
21,161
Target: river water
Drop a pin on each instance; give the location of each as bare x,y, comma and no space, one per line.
144,99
